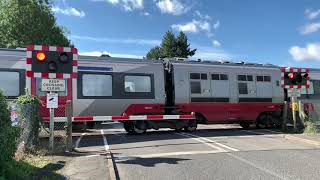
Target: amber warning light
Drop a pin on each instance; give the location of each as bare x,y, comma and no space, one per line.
41,56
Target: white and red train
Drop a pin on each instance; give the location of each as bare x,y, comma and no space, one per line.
165,92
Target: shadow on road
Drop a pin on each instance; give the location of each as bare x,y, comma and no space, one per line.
114,139
151,162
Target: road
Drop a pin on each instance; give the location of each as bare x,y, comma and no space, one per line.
212,152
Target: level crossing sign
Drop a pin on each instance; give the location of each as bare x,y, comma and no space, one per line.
52,100
53,85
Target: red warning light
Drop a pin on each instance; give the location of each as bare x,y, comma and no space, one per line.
41,56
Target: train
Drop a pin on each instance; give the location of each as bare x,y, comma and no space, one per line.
213,91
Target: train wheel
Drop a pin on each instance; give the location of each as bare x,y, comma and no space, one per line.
192,126
136,130
128,127
139,127
245,125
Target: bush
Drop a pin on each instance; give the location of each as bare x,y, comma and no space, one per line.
8,135
28,111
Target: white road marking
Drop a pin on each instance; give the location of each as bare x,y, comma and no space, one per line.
209,140
170,154
92,155
203,141
79,139
257,167
105,142
237,157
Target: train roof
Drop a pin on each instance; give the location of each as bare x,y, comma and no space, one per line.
20,53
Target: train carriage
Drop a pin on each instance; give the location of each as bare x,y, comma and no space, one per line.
216,92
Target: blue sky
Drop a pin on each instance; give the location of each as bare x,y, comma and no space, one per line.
282,32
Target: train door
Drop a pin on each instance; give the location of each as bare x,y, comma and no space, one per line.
264,86
220,87
199,86
62,99
247,90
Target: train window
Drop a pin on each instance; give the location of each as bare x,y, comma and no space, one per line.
243,88
266,78
249,78
137,83
204,77
194,75
316,86
44,93
260,78
9,83
223,77
242,78
215,77
195,87
96,85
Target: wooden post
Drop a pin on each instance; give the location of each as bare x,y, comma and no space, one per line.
69,125
285,115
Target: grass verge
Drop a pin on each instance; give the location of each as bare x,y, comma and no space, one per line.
32,167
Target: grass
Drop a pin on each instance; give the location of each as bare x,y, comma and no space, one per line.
311,128
31,167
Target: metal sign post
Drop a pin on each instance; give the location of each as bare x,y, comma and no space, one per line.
52,103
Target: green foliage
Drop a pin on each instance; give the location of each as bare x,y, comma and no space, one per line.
172,46
24,22
8,134
154,53
310,127
28,112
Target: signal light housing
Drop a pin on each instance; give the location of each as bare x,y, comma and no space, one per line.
64,58
295,78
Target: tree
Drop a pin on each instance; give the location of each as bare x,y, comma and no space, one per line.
24,22
183,47
154,53
172,46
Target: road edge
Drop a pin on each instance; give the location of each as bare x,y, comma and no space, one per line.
307,141
110,160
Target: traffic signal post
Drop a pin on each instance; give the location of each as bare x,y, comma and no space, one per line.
52,65
294,79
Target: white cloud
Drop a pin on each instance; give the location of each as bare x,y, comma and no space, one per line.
117,40
69,11
174,7
193,27
216,43
146,14
310,52
310,14
216,25
202,16
310,28
211,55
187,27
127,5
99,53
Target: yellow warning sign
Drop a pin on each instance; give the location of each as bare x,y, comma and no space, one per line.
295,106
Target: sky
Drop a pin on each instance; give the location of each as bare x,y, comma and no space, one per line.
281,32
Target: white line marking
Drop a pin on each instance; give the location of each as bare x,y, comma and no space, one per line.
237,157
79,139
212,141
257,167
175,154
105,142
202,141
92,155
